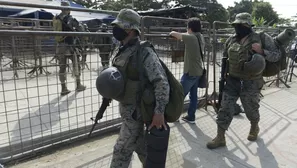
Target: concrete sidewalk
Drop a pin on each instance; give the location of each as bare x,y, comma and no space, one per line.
276,146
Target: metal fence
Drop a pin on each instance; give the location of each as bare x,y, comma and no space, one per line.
34,116
25,23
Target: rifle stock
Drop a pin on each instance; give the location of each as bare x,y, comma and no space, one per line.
99,115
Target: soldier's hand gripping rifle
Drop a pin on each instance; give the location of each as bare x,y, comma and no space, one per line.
224,71
100,113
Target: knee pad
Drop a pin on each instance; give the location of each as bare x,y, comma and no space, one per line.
157,145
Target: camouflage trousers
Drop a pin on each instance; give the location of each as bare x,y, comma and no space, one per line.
131,138
65,51
249,93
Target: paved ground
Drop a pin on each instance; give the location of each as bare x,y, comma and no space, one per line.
276,146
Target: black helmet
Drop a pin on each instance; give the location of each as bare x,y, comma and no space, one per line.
110,83
256,65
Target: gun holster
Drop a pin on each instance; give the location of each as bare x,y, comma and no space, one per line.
157,145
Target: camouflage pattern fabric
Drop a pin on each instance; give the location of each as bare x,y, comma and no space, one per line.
157,76
128,19
63,52
247,90
249,93
131,136
243,18
271,51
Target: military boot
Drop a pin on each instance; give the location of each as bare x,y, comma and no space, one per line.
254,131
79,86
218,141
64,91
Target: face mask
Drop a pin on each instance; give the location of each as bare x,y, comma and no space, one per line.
119,33
242,31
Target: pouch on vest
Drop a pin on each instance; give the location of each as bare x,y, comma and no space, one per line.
175,106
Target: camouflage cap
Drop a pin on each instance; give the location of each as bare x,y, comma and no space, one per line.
128,19
65,3
243,18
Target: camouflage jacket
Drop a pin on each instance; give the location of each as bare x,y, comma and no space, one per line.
156,75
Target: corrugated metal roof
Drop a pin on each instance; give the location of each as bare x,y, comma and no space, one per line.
80,16
39,2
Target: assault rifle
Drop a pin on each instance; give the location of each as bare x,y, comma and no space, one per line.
222,82
104,105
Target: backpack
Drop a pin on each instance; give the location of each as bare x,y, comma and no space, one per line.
57,26
175,106
273,68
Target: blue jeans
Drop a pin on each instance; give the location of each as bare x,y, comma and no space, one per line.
190,84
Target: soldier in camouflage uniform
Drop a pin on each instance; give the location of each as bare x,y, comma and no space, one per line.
131,137
65,22
240,51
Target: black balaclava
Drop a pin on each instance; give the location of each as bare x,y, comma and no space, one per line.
119,33
242,31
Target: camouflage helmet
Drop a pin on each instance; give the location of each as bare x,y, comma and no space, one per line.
256,65
110,83
243,18
128,19
65,3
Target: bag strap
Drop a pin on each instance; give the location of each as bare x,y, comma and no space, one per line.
262,38
139,60
198,38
